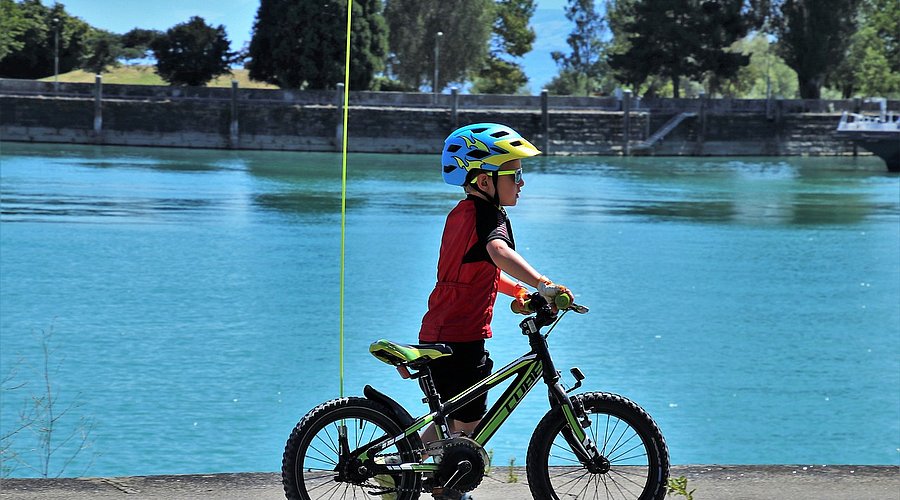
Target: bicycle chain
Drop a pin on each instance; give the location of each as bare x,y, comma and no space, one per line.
419,451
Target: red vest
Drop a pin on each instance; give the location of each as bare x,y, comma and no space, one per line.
462,304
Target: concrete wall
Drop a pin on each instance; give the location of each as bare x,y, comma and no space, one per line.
405,122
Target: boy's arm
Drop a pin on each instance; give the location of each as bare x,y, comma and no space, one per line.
510,287
513,264
510,262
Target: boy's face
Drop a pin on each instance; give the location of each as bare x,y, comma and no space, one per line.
506,184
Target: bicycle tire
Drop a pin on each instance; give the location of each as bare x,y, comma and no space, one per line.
311,454
638,470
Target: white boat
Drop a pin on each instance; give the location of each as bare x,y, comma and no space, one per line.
879,134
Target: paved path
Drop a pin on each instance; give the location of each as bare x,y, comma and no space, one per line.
710,482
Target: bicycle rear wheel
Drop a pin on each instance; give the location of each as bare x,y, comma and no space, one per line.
625,435
314,465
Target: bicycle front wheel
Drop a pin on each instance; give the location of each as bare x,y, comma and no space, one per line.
625,435
315,465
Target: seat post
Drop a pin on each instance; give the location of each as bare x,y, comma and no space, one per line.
427,384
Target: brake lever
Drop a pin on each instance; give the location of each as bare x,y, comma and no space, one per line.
580,309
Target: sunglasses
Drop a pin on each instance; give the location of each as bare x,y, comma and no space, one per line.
517,173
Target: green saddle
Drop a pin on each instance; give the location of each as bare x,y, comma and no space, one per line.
413,355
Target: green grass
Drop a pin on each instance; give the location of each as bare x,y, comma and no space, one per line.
146,75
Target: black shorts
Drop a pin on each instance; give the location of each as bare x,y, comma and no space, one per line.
452,375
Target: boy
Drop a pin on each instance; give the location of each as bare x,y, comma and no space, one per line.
477,244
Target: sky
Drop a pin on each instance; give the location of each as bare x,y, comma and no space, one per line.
237,16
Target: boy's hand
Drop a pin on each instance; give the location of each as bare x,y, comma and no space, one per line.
518,305
549,290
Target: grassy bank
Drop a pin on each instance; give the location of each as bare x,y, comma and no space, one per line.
146,75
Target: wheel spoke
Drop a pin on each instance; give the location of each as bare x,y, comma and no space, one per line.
623,434
315,465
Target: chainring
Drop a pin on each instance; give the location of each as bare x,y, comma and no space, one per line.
456,450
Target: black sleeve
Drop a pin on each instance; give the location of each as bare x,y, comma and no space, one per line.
490,224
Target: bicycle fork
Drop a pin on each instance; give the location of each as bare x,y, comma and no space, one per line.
579,440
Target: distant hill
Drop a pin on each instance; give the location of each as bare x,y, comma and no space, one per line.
145,75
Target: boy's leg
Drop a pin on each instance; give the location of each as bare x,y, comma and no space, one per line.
468,428
456,427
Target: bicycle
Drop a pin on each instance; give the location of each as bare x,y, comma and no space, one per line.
589,445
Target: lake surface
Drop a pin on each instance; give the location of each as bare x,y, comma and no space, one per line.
751,305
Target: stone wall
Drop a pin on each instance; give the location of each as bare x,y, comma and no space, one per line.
408,122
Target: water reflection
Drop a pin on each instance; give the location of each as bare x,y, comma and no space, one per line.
37,208
51,182
674,210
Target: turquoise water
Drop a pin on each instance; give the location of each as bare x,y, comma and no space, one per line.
751,305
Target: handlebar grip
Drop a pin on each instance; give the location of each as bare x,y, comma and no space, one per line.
562,301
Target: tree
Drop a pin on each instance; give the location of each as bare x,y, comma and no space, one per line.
13,25
512,38
192,53
29,35
582,69
413,26
136,43
767,75
871,66
679,39
301,44
103,49
813,38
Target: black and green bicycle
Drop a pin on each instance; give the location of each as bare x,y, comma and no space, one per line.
589,445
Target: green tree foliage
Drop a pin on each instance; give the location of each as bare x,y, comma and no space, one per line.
582,70
871,66
103,49
814,35
27,42
192,53
13,25
136,43
766,76
512,37
301,43
678,39
466,27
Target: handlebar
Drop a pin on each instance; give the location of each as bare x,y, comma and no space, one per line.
536,303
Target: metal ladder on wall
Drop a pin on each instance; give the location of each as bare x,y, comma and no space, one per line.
664,131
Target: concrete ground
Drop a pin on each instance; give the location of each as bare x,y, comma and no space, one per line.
709,482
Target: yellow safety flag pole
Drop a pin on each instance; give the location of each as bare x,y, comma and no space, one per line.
344,184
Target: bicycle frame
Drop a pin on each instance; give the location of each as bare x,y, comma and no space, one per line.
528,370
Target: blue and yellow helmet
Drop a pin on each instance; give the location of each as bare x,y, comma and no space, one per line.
483,146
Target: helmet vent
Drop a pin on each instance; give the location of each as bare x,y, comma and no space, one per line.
499,134
499,151
449,168
516,143
453,148
478,154
479,130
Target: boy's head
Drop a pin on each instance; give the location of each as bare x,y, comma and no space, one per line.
479,148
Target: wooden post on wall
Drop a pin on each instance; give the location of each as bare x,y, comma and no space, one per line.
545,121
857,108
454,107
339,130
626,122
233,130
701,136
98,108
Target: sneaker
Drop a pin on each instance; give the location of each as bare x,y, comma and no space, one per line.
451,494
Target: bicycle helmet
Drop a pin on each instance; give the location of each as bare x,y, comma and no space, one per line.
483,146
